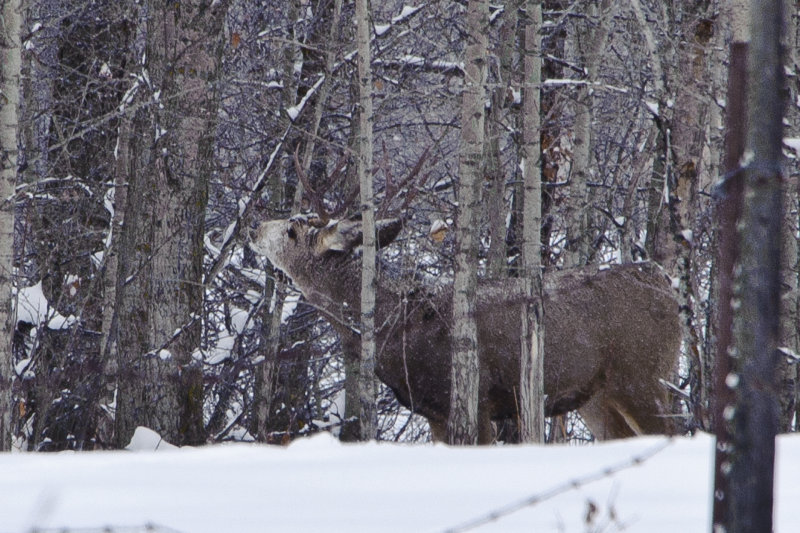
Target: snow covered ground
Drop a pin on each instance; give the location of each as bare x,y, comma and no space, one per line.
317,484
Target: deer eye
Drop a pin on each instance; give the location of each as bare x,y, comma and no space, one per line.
291,233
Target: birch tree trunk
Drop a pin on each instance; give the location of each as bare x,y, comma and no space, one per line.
462,425
531,386
591,40
693,99
10,68
757,287
790,310
655,200
367,410
674,201
498,113
721,62
159,301
790,266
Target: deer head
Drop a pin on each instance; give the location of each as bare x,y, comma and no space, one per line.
610,335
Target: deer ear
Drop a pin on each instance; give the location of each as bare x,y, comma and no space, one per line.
340,236
387,229
345,235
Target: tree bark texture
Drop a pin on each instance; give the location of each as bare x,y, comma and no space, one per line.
160,295
275,288
367,406
790,266
531,386
674,199
10,69
498,120
658,182
591,40
689,138
462,426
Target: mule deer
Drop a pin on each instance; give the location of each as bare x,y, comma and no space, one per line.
610,335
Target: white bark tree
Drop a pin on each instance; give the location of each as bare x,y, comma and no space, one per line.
590,38
462,426
499,120
790,265
10,69
367,411
531,387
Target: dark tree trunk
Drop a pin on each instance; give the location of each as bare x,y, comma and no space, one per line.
160,294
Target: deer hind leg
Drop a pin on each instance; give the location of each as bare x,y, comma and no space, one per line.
486,433
438,430
606,420
611,417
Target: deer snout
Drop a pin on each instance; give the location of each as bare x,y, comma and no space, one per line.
252,231
258,234
268,239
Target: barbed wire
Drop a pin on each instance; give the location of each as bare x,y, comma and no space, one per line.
573,484
144,528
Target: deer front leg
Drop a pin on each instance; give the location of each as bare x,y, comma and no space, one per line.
438,431
485,427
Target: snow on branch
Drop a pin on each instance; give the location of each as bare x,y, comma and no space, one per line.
295,110
421,63
792,357
591,84
675,389
406,13
163,352
792,145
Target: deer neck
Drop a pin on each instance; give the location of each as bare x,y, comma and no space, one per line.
333,288
338,293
